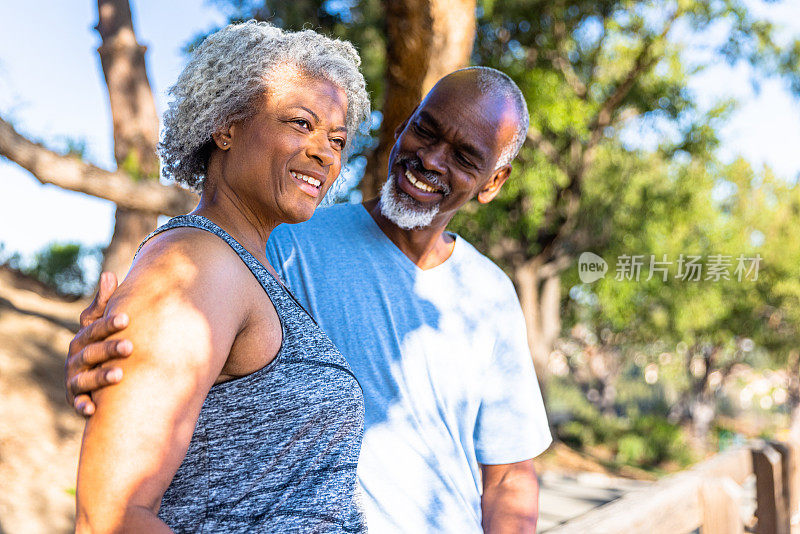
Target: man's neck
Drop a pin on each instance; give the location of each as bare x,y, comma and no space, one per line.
427,247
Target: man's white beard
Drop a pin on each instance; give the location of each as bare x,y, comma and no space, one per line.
402,210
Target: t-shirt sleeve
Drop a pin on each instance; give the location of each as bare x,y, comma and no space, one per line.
512,423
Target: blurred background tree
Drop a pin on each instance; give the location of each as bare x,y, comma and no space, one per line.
593,72
67,268
134,185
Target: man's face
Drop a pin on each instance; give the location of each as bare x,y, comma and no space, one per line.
445,153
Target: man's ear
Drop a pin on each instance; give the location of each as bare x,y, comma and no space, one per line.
492,187
223,138
399,129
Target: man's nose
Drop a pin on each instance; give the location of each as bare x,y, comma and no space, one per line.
433,158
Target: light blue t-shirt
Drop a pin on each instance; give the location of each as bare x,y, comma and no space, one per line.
442,358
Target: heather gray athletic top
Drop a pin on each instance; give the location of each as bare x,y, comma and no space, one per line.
276,450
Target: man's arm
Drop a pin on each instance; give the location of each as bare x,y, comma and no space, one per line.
89,349
510,500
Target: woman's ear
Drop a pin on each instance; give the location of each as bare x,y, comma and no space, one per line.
223,138
492,187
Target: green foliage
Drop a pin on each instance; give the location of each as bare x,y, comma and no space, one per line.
649,206
664,441
594,73
632,450
75,147
647,442
132,166
62,266
516,213
637,432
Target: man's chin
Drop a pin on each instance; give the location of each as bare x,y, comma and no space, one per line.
403,210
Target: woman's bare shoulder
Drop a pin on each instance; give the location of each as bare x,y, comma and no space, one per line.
184,268
186,247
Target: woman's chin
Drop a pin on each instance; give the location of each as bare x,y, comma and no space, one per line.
300,213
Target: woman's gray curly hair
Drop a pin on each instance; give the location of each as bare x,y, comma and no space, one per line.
229,70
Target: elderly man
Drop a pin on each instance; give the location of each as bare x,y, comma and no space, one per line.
431,328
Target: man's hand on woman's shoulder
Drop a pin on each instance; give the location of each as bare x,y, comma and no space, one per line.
89,349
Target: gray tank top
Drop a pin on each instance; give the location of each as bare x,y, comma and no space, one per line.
276,450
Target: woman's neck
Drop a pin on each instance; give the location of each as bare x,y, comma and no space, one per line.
249,227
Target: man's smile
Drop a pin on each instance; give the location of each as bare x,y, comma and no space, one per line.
419,184
415,184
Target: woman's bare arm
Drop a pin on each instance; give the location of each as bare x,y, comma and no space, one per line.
183,321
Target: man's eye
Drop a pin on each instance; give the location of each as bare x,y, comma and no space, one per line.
463,160
338,141
422,132
303,123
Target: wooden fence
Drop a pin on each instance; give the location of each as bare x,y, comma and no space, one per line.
708,498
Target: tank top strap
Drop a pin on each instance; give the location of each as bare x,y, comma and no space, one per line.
277,290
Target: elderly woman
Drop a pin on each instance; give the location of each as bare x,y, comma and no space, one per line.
237,413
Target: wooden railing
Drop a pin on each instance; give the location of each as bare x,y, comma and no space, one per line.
707,497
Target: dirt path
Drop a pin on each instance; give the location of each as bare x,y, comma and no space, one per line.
39,435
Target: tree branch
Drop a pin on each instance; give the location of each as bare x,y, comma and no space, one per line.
642,63
560,221
594,55
562,63
565,67
75,175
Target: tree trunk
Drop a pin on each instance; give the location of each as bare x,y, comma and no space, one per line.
135,123
701,407
539,291
426,39
130,227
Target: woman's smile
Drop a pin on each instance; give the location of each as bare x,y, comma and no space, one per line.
308,183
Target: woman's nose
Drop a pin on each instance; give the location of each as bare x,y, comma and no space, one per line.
320,149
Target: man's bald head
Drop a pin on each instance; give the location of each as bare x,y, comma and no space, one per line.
489,82
455,146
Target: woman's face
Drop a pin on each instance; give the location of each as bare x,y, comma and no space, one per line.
282,160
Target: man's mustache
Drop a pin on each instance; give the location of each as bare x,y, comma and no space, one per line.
433,178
